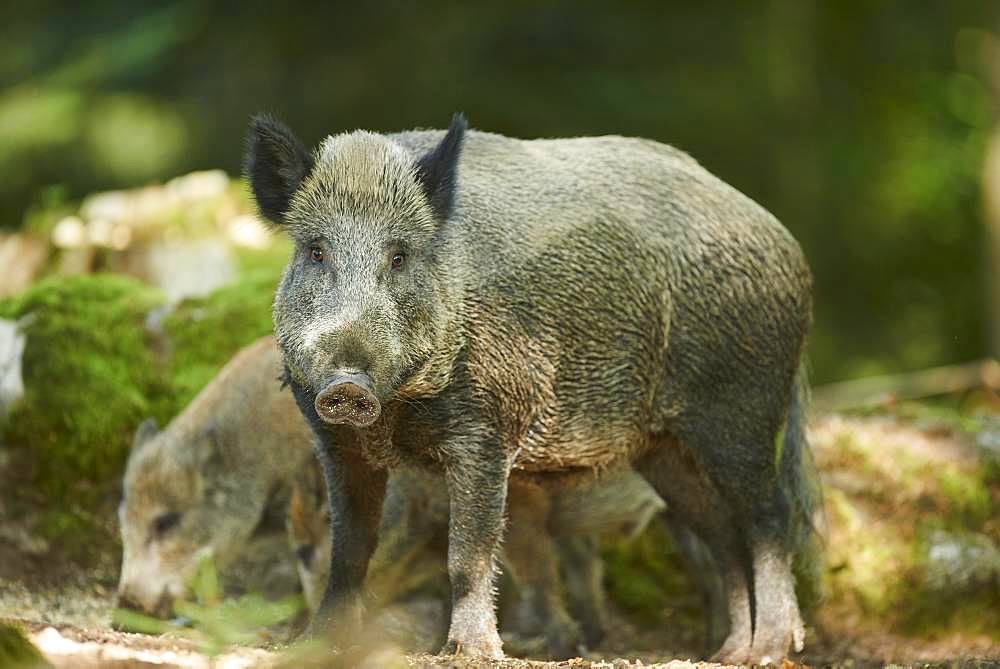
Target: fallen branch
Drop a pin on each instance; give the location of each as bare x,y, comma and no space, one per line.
912,385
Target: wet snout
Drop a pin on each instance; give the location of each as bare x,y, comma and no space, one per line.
349,399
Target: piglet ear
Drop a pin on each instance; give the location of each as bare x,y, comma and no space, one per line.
208,448
146,431
275,163
437,171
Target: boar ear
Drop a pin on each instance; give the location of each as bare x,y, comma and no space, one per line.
209,453
201,451
275,163
437,171
146,431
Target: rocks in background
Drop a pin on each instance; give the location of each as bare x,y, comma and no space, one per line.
22,258
961,562
185,268
910,510
89,376
11,352
180,237
988,442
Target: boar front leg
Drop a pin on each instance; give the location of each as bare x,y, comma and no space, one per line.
355,491
477,489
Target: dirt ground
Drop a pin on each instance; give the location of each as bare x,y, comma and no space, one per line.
65,610
67,616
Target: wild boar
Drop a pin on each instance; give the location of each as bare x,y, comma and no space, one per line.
499,309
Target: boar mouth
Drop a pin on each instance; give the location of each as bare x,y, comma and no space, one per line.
162,608
348,399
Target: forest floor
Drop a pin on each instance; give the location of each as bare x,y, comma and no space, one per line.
69,624
65,611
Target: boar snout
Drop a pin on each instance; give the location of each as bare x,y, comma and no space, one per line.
126,602
160,608
349,399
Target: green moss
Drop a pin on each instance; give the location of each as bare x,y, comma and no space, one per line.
924,610
92,373
17,651
647,580
205,332
885,498
88,375
968,495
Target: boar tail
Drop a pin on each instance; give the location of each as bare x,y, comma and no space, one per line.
800,482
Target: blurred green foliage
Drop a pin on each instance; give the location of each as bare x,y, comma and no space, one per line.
213,622
646,577
860,124
17,651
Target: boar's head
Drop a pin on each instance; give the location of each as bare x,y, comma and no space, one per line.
365,296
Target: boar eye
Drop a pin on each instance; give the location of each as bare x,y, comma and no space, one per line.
397,260
316,254
165,522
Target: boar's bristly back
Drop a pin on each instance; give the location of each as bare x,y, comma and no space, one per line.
275,163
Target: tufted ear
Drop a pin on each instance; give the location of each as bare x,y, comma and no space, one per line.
208,450
146,431
275,163
438,169
200,452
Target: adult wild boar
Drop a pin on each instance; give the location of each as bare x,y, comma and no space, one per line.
200,487
497,308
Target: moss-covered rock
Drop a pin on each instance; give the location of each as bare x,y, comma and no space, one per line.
17,651
203,333
89,375
93,371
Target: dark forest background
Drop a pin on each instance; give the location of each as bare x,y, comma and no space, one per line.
862,125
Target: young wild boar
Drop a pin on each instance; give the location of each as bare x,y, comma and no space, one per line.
413,542
499,309
200,487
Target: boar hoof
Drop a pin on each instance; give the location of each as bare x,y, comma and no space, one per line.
735,650
486,647
564,640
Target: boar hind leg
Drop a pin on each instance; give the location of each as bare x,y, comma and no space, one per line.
691,495
777,622
531,556
477,491
583,575
745,474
